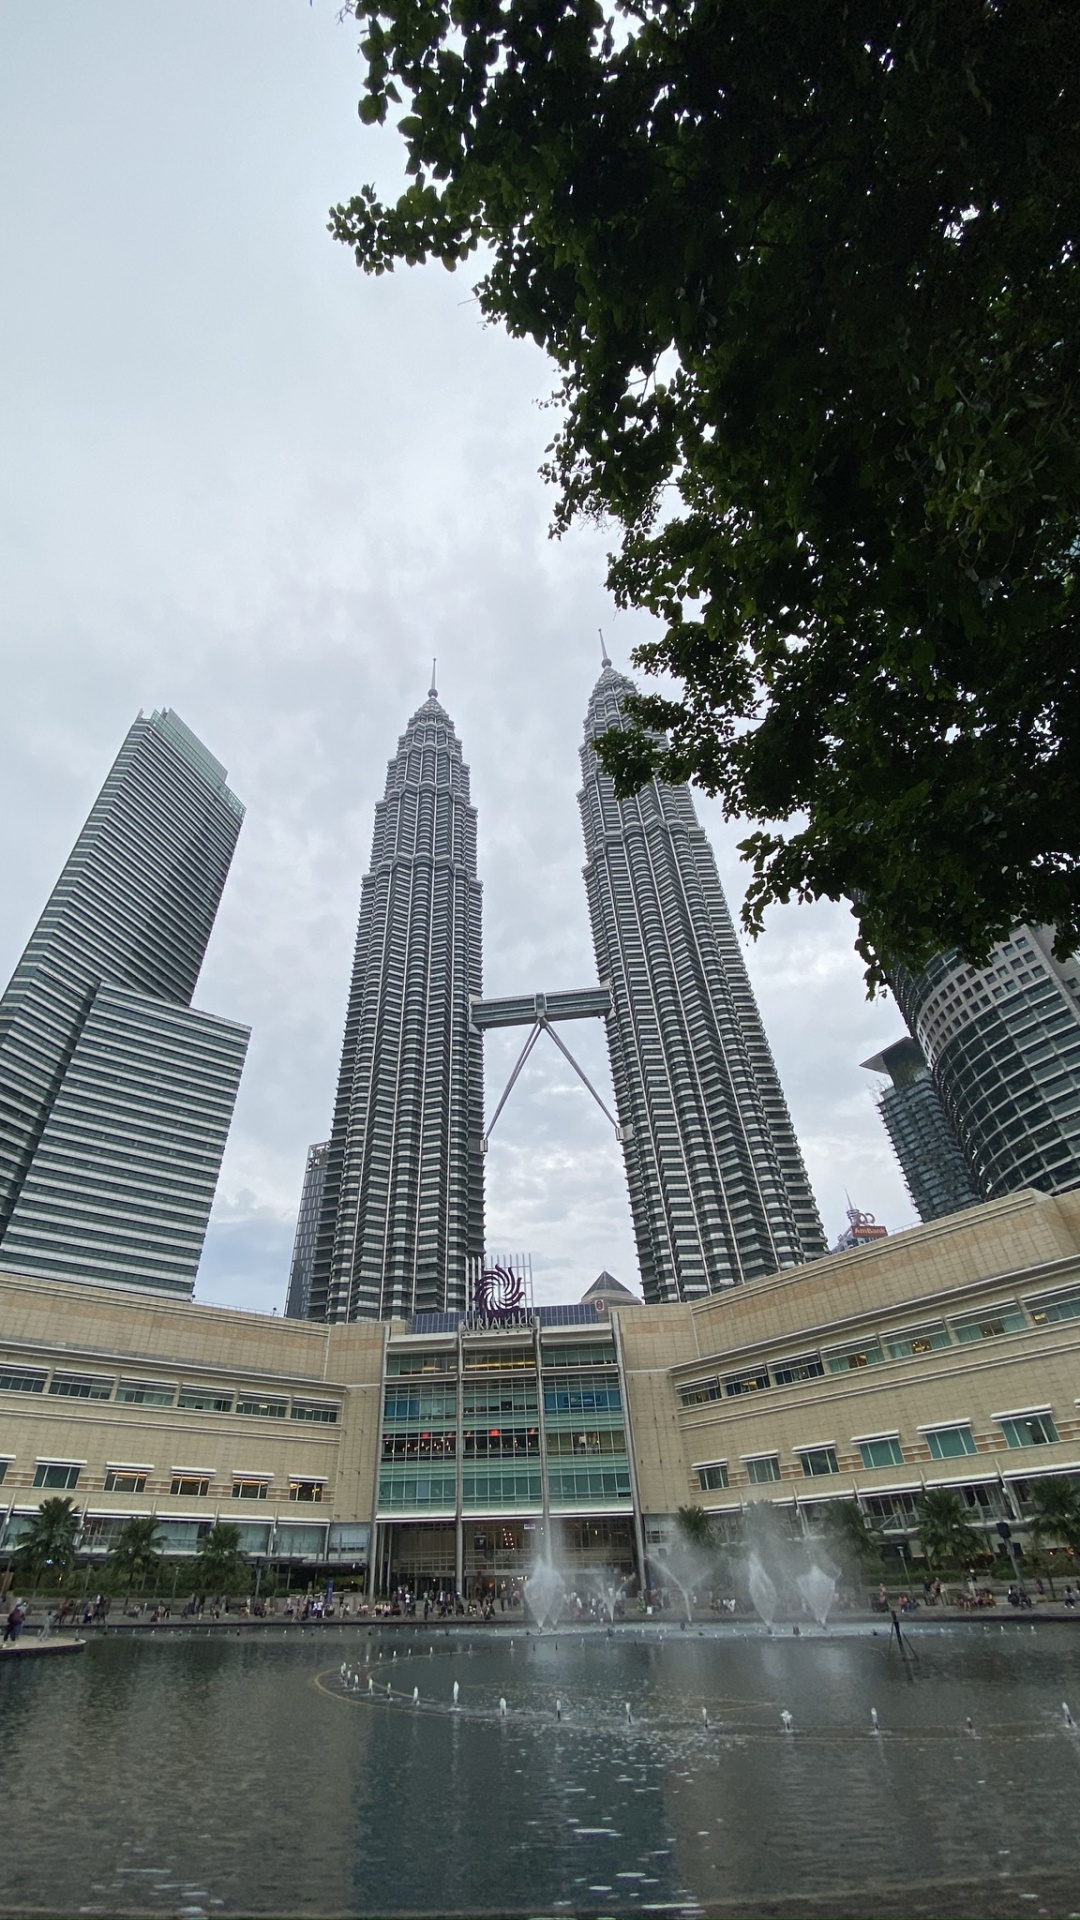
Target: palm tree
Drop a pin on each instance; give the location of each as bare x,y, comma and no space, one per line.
222,1566
1053,1513
49,1541
945,1531
135,1552
850,1535
693,1524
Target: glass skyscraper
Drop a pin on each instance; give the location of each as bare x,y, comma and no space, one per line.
932,1161
115,1094
718,1189
298,1299
403,1201
1003,1045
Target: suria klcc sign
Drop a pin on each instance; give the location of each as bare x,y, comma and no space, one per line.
498,1297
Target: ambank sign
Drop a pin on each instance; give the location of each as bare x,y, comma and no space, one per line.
500,1296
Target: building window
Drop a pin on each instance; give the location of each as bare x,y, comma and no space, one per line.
195,1400
80,1386
700,1393
923,1340
4,1465
851,1358
988,1325
599,1353
52,1474
189,1486
498,1359
752,1382
807,1367
949,1443
886,1452
765,1468
263,1409
714,1478
399,1363
116,1482
21,1380
1029,1430
249,1489
310,1491
313,1410
1065,1307
816,1461
138,1393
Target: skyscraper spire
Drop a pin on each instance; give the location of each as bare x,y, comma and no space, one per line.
603,649
403,1200
433,691
718,1190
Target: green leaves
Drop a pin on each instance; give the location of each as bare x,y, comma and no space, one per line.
811,281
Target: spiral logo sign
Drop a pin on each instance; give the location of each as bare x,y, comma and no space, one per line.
498,1290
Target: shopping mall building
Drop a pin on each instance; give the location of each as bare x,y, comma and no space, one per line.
445,1451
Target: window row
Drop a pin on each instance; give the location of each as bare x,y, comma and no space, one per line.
62,1475
1007,1317
950,1442
152,1393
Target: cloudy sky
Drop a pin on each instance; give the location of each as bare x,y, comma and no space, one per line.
244,481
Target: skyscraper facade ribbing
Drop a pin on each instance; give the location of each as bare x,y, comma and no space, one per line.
1003,1045
115,1095
718,1189
403,1201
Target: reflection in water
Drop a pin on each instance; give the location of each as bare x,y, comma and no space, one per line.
626,1773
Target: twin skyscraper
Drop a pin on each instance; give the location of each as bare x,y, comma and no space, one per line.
116,1095
392,1213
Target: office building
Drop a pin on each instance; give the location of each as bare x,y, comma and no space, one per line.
298,1299
403,1202
1003,1046
718,1189
115,1094
932,1161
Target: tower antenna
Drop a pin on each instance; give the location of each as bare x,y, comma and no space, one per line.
433,691
603,648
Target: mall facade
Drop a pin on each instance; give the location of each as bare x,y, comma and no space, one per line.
445,1451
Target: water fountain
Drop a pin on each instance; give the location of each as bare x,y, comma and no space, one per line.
762,1589
545,1590
818,1589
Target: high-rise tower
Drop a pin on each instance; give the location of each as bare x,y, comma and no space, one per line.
935,1170
403,1201
115,1096
1003,1045
718,1190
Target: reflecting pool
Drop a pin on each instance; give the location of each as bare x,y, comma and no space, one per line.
645,1771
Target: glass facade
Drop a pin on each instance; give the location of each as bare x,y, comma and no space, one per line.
479,1431
117,1095
298,1299
935,1171
1003,1045
718,1189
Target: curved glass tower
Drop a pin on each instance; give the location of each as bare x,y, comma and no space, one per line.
403,1200
718,1190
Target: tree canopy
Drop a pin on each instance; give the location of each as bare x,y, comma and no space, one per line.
809,275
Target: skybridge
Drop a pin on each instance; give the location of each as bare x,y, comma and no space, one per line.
541,1012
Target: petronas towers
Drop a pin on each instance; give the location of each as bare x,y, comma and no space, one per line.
718,1190
402,1207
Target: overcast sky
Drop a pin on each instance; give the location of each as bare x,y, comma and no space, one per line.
244,481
